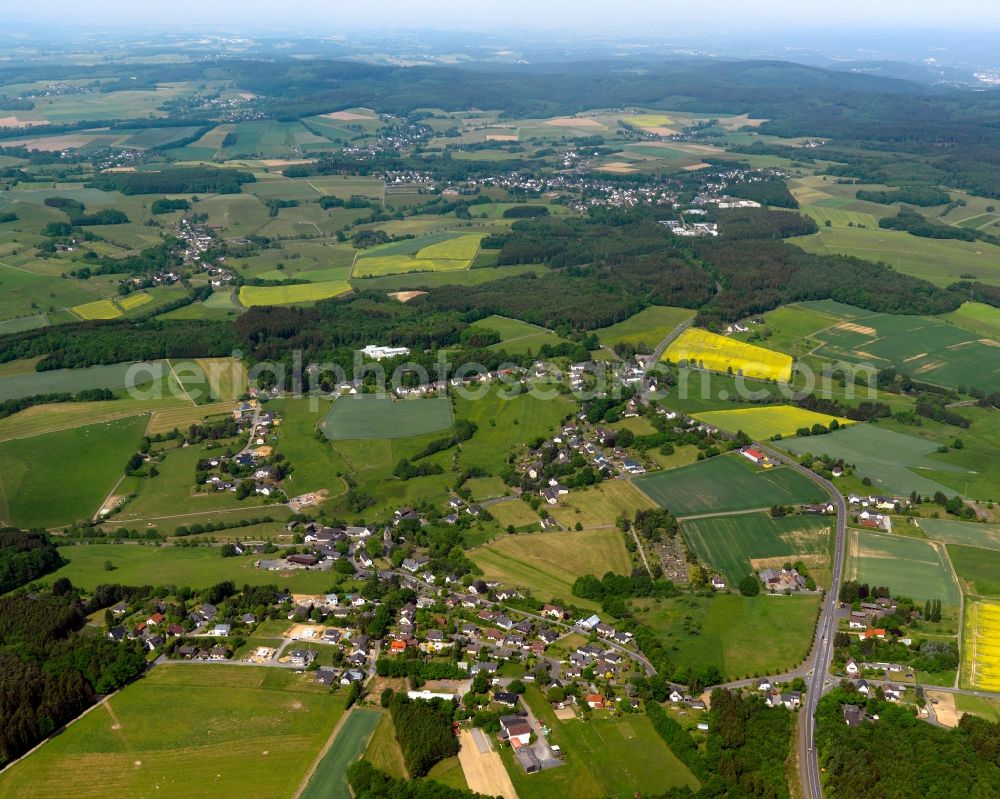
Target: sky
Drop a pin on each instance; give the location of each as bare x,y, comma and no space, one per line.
650,18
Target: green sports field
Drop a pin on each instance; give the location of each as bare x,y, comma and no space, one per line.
328,780
986,536
62,477
909,566
251,296
186,730
728,543
891,460
726,483
763,422
922,347
645,329
367,416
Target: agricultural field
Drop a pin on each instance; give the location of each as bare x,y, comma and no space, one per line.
978,569
362,416
981,647
451,254
976,317
606,758
764,422
735,546
646,329
838,217
183,730
727,631
503,421
922,347
197,567
112,377
383,750
548,563
940,261
328,781
789,329
724,484
986,536
895,462
909,566
600,505
721,354
251,296
98,309
62,477
514,512
517,337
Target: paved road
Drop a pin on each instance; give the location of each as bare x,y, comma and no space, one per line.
812,787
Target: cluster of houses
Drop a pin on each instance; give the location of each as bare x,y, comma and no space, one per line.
873,511
776,698
778,580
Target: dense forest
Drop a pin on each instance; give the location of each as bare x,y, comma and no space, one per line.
49,674
367,782
24,557
745,754
177,180
424,731
901,756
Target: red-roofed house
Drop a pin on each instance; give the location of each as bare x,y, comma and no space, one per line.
751,454
595,700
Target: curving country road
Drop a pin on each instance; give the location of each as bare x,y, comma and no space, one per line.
822,651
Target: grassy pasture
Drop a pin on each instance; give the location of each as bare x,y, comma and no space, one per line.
719,354
605,758
838,217
383,750
909,566
724,484
728,543
894,461
941,261
986,536
362,416
316,464
548,563
764,422
518,337
197,567
976,317
600,505
329,779
27,294
61,477
978,569
645,329
49,418
740,636
790,328
187,730
251,296
514,512
112,376
922,347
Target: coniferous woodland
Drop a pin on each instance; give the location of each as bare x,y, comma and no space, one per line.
424,731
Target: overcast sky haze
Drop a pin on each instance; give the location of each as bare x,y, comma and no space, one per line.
649,18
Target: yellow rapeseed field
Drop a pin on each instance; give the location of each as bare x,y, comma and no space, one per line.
984,648
706,350
767,421
132,301
98,309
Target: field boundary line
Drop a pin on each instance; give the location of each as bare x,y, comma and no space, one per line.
74,426
202,513
304,782
180,384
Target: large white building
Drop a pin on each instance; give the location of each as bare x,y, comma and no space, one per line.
378,353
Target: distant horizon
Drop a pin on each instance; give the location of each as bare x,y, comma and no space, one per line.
644,18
